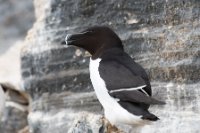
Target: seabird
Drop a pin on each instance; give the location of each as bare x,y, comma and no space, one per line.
122,86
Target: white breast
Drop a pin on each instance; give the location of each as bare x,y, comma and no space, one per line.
113,111
2,100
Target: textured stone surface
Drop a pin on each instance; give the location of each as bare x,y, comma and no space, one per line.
2,101
14,117
163,36
13,120
159,41
179,115
16,17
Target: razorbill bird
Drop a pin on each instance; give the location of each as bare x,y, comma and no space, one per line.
2,100
121,85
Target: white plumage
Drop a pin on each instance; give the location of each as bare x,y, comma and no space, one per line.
113,111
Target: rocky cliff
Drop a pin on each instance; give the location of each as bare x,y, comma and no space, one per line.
163,36
16,17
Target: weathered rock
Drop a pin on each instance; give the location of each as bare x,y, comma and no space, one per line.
2,101
13,120
14,117
64,109
16,18
163,36
10,79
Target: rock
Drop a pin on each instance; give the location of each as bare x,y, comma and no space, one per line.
14,117
163,36
24,130
72,123
10,64
2,101
68,110
13,120
16,18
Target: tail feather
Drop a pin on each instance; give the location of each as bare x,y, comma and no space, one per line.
150,117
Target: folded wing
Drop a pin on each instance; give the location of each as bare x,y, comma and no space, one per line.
124,84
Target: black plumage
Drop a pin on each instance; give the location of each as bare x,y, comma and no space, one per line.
120,71
125,80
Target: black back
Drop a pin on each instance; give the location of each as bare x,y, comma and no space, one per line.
132,73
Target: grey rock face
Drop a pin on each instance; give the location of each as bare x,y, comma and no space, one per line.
13,121
163,36
16,17
69,112
14,116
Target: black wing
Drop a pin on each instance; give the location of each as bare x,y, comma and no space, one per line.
135,96
117,76
123,83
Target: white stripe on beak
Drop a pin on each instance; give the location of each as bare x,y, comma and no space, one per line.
66,38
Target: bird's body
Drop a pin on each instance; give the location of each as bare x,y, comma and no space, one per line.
121,85
112,109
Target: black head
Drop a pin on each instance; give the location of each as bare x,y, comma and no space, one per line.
95,40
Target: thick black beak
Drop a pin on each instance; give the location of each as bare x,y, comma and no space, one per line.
70,39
